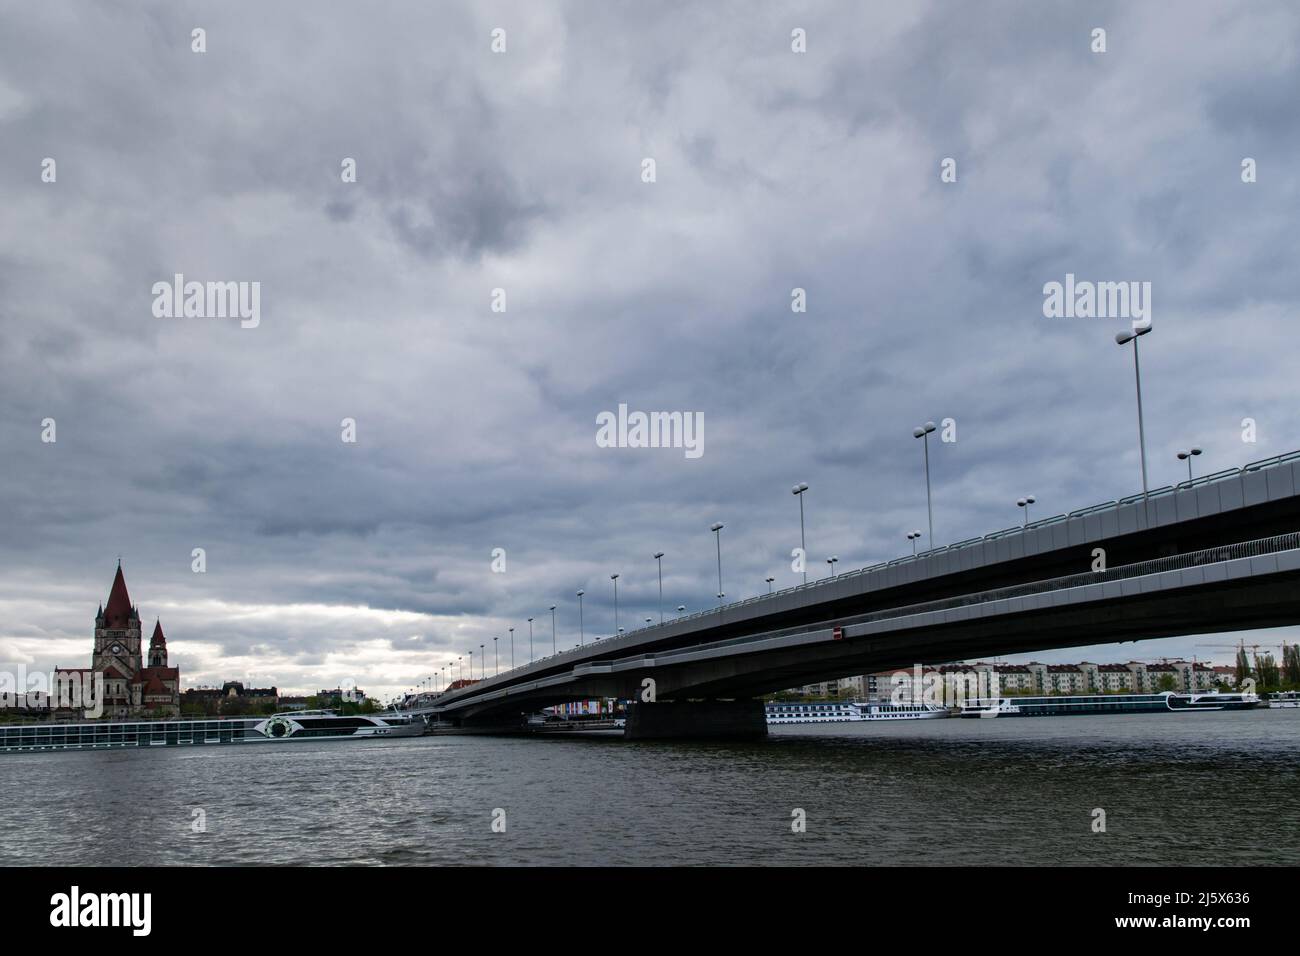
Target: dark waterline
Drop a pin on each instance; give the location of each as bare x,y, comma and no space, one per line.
1177,790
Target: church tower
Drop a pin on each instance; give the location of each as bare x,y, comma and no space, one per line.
117,633
117,653
157,647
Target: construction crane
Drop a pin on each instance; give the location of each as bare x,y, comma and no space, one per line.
1244,646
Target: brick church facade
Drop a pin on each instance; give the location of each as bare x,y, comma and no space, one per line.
132,687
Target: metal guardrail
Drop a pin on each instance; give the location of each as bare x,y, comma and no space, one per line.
1226,474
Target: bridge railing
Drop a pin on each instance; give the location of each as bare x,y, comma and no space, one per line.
1224,475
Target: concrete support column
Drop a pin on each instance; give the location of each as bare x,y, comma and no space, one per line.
718,719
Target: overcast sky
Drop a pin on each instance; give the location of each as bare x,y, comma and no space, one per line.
372,561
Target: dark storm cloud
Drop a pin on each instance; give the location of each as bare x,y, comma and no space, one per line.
476,429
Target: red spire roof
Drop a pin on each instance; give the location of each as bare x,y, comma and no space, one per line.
118,610
157,634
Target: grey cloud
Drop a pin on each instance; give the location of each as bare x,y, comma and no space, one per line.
521,171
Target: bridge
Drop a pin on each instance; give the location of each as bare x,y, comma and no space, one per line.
1220,553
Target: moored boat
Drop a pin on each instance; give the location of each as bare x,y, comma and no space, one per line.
789,712
1057,706
293,725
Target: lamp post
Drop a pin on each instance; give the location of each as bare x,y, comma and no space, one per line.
769,581
496,659
1123,338
912,536
923,432
659,557
798,491
460,669
1025,502
832,560
581,592
471,664
530,640
512,648
482,663
1187,457
716,528
614,578
553,647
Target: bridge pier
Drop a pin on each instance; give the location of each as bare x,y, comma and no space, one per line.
718,719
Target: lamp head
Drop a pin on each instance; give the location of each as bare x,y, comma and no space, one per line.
657,555
716,526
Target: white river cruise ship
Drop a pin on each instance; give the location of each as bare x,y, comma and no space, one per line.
792,712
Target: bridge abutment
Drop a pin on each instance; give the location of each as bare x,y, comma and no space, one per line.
669,720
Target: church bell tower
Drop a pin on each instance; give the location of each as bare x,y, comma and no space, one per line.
117,632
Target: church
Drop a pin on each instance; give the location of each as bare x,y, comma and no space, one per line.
131,689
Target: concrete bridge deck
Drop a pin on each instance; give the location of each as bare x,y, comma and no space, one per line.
1217,554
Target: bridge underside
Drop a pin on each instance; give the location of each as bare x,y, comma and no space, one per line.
1240,604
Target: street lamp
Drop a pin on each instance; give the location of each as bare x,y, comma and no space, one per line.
1025,502
581,592
553,648
832,560
496,659
659,556
471,664
482,663
460,668
769,584
530,640
923,432
912,536
716,528
681,609
1123,338
614,578
798,491
1187,457
512,648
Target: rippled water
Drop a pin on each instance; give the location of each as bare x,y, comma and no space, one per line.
1177,789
